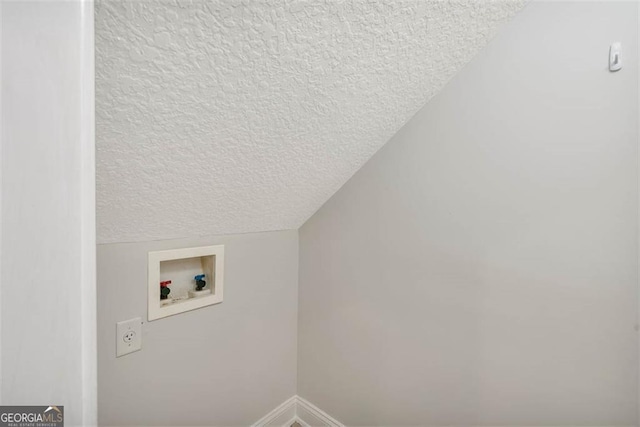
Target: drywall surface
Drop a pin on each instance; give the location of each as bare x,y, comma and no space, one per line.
48,210
481,269
223,365
256,112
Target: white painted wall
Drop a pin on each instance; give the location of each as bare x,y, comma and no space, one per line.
222,365
482,268
47,312
1,139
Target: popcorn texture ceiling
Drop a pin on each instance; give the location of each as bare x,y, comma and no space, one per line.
218,117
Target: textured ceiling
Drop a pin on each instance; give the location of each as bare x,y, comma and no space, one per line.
241,116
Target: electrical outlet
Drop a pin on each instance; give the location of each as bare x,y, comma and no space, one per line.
128,336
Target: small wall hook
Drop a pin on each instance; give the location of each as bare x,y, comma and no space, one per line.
615,63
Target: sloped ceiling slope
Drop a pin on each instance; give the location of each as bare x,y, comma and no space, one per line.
243,116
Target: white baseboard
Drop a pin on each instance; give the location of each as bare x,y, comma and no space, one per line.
297,409
281,415
312,416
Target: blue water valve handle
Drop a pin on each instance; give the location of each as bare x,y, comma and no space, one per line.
200,283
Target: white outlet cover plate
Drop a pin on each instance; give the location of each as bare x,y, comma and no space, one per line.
128,336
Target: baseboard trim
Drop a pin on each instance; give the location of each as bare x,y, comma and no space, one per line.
281,415
313,416
297,409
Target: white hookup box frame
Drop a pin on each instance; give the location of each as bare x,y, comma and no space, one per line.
211,263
